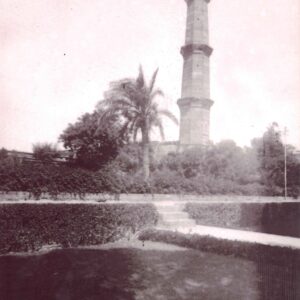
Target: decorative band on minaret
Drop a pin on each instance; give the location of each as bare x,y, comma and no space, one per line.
195,102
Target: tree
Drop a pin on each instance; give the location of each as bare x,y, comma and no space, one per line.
129,158
134,101
92,145
45,152
3,153
229,161
270,152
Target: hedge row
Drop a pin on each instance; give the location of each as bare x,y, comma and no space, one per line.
38,178
275,218
27,227
256,252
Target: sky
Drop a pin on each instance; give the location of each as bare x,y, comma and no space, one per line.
57,58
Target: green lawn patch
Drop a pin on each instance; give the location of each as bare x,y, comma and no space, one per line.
142,275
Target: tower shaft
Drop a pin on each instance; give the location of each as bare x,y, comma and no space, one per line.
195,100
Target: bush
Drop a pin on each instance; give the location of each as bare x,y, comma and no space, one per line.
3,153
93,145
27,227
223,168
38,178
45,152
220,169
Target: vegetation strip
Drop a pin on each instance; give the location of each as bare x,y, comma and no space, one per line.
220,169
255,252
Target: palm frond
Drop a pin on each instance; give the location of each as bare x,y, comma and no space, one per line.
168,114
159,125
124,129
103,118
152,110
101,105
152,81
124,104
140,81
156,93
135,133
134,128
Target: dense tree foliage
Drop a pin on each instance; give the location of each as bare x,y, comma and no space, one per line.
271,158
195,171
91,145
3,153
134,101
45,152
222,168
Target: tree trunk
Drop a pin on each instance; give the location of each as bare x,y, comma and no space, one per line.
145,146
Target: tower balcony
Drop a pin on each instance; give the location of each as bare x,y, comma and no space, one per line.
188,50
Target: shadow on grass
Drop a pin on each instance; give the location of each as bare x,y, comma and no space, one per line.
88,274
276,270
278,281
67,274
125,274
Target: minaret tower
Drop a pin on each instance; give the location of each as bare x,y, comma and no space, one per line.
195,100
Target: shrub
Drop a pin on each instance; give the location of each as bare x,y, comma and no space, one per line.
37,178
166,181
93,145
45,152
220,169
27,227
3,153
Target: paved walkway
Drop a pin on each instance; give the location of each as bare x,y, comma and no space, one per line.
243,236
173,218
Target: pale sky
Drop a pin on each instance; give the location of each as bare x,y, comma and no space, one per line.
57,58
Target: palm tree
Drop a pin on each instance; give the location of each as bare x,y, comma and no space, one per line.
133,101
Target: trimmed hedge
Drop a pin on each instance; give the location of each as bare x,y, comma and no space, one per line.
38,178
276,218
255,252
27,227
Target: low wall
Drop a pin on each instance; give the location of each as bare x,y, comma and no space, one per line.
16,196
276,217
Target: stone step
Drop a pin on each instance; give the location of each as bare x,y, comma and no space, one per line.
178,223
174,214
178,220
171,208
172,219
185,229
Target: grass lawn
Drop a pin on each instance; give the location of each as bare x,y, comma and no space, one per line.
132,273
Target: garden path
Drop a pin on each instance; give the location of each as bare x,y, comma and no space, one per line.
172,217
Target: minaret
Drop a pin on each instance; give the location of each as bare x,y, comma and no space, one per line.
195,100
